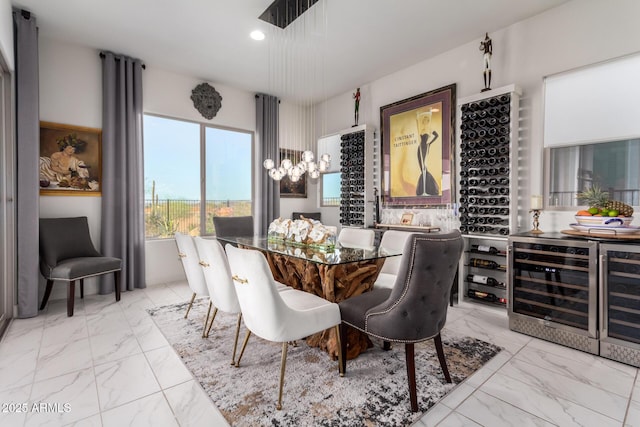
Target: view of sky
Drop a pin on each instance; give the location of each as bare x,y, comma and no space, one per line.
331,185
172,160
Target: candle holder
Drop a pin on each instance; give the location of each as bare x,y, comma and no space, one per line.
536,222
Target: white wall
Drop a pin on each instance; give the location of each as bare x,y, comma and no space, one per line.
6,33
296,132
168,94
71,93
577,33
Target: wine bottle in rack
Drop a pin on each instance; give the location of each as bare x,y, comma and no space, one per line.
485,296
485,249
486,263
484,280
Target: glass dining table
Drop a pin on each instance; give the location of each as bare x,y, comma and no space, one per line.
334,274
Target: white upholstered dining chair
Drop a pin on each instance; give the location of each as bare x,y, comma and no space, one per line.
217,275
272,315
188,254
392,242
356,238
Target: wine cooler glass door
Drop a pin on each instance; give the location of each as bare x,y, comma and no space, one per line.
556,283
621,292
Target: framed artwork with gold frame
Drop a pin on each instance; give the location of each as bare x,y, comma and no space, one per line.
70,160
407,219
417,137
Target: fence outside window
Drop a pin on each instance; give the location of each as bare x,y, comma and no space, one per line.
165,217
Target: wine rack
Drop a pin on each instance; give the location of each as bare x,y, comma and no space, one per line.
484,266
620,303
356,179
553,290
487,174
488,164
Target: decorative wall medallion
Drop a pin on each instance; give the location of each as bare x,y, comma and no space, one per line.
207,100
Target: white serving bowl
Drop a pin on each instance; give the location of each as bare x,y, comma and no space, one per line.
604,221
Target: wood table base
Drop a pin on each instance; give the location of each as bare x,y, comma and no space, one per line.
335,283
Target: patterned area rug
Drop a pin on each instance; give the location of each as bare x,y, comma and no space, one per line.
373,393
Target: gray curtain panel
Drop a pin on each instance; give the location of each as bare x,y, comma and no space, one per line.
267,136
122,169
27,155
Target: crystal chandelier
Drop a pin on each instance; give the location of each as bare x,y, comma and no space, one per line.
295,171
296,58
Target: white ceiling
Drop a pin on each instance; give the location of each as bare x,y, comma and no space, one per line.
209,39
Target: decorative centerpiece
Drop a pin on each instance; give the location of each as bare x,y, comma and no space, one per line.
603,213
303,232
602,210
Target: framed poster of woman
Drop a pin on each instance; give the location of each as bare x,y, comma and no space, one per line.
417,147
70,160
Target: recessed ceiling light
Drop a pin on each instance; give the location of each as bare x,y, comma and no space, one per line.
257,35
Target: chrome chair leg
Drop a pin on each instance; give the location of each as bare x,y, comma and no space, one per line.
340,355
193,297
215,311
244,345
283,364
206,319
235,341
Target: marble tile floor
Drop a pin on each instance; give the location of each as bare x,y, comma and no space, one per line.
109,365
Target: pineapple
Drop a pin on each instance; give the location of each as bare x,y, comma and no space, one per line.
595,197
622,208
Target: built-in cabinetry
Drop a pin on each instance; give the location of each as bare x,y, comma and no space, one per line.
487,195
584,294
357,153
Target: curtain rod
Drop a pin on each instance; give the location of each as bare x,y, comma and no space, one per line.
258,96
102,55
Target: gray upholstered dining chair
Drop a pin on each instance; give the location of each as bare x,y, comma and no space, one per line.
67,254
233,226
415,309
309,215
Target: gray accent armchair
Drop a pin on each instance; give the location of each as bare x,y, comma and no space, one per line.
67,254
233,226
415,309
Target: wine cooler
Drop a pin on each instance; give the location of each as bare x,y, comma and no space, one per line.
620,303
356,179
553,290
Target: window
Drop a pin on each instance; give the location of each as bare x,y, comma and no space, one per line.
330,188
330,184
612,166
591,132
176,178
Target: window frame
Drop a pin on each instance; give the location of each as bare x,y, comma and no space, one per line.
203,169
